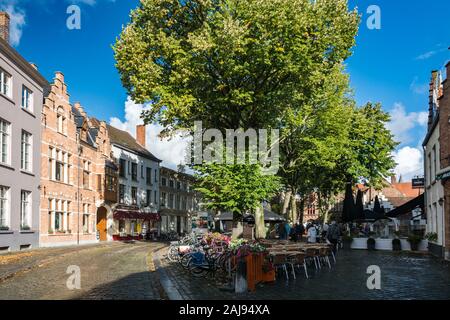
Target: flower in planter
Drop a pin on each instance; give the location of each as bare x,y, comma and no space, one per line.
25,227
4,228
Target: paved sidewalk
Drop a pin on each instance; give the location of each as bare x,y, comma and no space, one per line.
404,276
108,271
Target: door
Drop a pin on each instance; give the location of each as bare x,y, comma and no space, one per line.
101,223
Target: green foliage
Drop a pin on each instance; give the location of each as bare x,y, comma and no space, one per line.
235,188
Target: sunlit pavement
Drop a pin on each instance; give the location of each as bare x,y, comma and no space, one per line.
140,271
403,276
109,271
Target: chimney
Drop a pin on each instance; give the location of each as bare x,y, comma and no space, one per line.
34,65
140,134
431,100
4,26
393,179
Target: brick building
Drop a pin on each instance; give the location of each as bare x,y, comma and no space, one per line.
75,154
443,173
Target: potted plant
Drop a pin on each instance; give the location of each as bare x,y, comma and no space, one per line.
4,228
431,236
414,241
347,241
50,231
25,228
371,244
396,244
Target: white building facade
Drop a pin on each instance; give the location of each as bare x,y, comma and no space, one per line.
138,203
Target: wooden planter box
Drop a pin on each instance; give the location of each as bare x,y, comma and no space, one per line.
255,272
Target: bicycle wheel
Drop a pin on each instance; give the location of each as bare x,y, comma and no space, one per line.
197,271
172,254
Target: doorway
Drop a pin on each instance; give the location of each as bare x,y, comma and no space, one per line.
101,223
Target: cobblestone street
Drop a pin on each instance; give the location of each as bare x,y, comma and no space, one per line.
108,271
140,271
403,276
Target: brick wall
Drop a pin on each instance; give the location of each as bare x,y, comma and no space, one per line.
444,128
71,190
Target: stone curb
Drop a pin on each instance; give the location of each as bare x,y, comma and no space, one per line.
168,286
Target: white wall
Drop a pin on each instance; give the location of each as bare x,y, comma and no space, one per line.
141,184
434,189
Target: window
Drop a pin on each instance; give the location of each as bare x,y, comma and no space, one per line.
134,171
149,176
149,198
59,165
121,193
27,98
25,210
133,195
177,202
163,199
156,175
171,201
26,151
85,223
430,179
5,83
183,203
4,207
86,174
434,164
155,196
178,185
4,142
142,171
61,121
171,183
185,186
110,176
122,167
58,215
164,181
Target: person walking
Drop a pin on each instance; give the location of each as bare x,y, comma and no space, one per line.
312,234
299,230
288,230
333,235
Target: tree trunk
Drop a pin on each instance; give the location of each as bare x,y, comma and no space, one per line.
260,227
302,210
287,199
294,214
238,226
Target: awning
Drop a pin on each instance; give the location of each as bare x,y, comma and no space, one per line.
443,176
408,207
269,216
135,215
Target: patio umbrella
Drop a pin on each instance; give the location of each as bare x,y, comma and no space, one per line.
348,210
359,208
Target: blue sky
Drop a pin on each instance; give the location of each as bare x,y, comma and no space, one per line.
391,65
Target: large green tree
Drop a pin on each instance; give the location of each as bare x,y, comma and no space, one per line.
236,64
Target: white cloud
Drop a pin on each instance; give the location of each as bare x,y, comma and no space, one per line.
172,151
17,16
403,123
409,163
429,54
419,88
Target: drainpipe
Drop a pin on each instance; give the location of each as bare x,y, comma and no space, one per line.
78,182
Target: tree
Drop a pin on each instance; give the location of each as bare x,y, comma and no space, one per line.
349,204
236,64
239,189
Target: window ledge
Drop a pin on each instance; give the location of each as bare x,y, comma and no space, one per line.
7,232
7,166
31,113
27,172
27,231
7,98
61,182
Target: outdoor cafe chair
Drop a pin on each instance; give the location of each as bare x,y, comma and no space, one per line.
311,256
324,255
279,261
299,259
